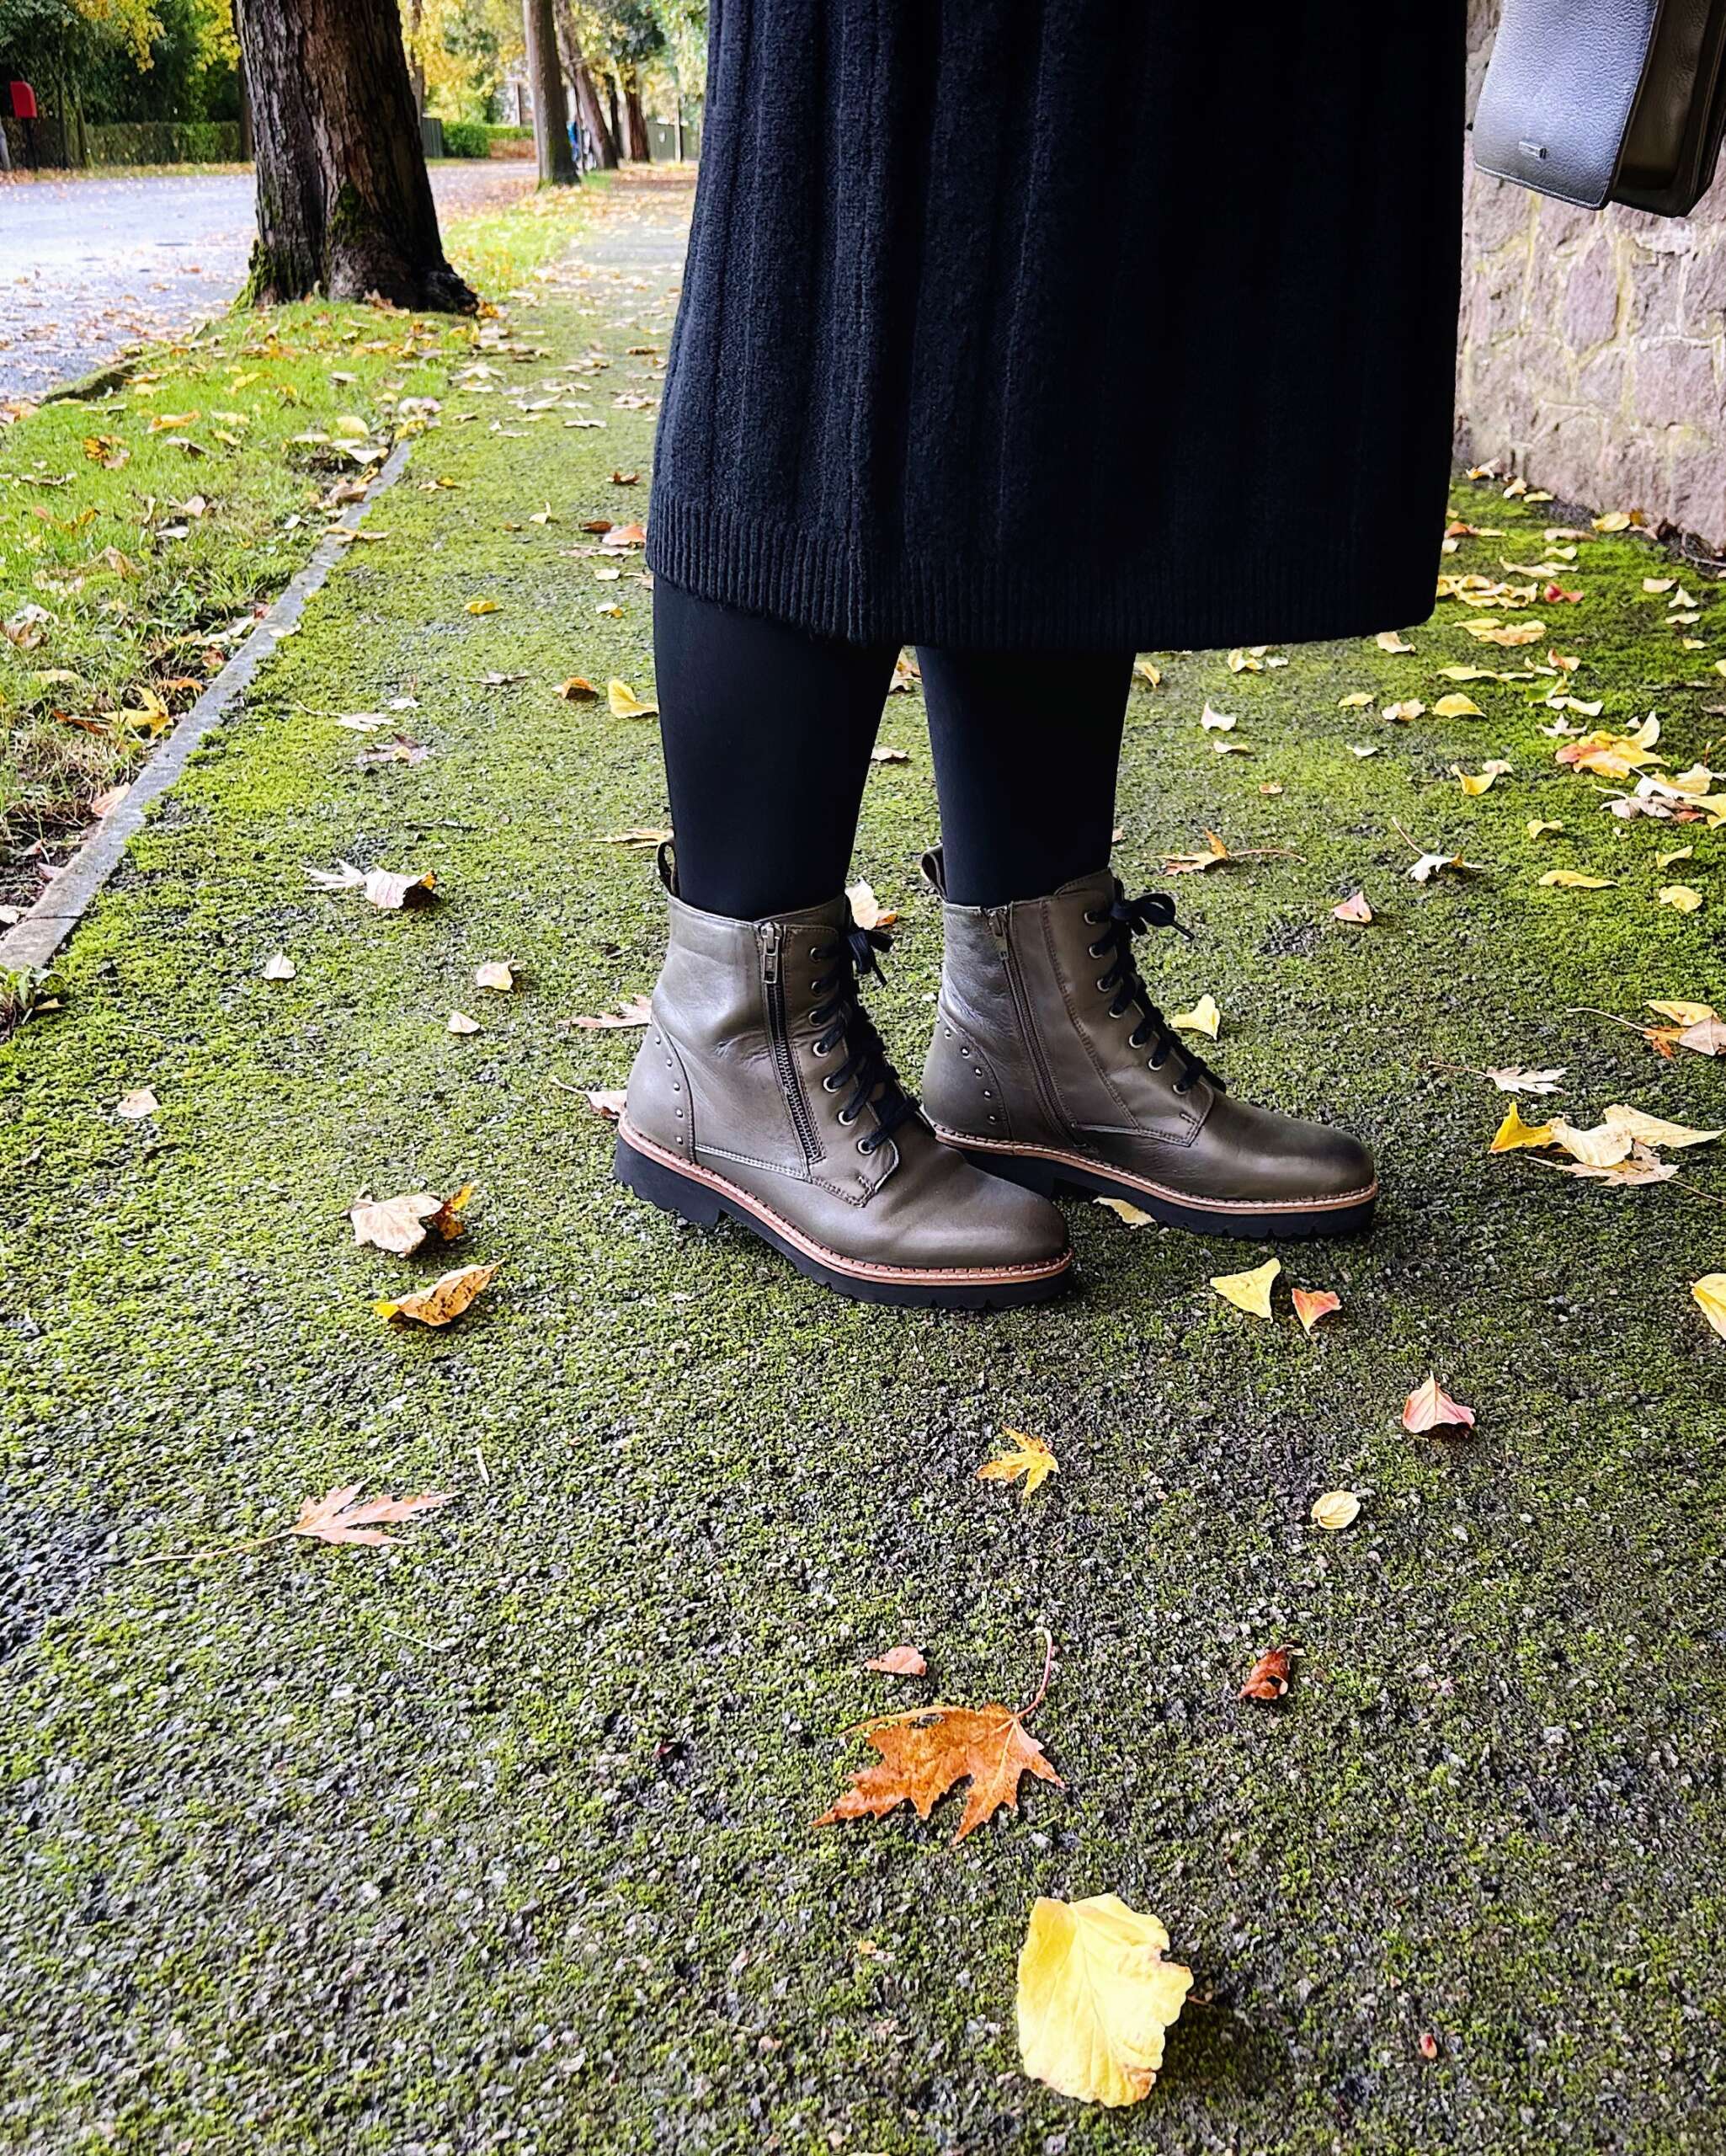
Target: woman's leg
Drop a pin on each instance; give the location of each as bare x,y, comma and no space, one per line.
767,733
1026,745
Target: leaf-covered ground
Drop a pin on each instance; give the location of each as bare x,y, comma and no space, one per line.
502,1839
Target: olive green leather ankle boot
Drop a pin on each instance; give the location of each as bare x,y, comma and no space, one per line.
762,1091
1051,1066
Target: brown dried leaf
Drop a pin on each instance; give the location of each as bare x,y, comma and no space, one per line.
633,1011
1268,1677
342,1515
1430,1407
924,1753
899,1661
444,1300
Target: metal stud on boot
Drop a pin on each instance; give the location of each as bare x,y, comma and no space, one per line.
1051,1066
762,1092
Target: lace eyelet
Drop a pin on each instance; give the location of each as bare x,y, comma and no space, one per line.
1092,952
818,1048
827,1084
846,1121
864,1147
1093,919
1103,990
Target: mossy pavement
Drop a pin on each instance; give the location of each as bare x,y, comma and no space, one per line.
502,1840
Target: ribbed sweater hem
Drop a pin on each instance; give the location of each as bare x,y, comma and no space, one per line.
1309,589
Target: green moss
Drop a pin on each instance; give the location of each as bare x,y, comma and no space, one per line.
507,1830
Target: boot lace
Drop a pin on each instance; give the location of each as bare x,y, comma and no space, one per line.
1125,919
841,1022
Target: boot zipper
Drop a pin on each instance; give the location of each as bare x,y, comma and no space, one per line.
1009,966
790,1084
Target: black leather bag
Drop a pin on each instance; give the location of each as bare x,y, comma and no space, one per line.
1598,101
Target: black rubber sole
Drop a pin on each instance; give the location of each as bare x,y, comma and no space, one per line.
705,1206
1048,1179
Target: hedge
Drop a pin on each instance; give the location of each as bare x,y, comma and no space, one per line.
165,142
467,138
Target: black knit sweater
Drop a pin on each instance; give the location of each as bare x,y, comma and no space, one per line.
1065,323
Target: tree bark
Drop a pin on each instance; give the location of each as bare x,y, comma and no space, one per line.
344,204
546,80
640,150
616,119
591,112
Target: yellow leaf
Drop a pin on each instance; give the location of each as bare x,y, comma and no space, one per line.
1358,702
625,703
1124,1209
1710,1294
1458,707
1679,896
1204,1018
1146,672
1027,1456
1655,1130
1335,1511
1506,634
1537,824
1513,1134
1684,1014
1391,640
482,606
1096,1997
1568,879
1615,520
1466,674
1602,1147
1400,714
444,1300
460,1022
1250,1291
1678,853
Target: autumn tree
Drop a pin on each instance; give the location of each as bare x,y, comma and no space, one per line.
344,204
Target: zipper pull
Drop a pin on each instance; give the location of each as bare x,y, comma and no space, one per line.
998,927
770,955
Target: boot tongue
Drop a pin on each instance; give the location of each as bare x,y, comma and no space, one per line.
835,914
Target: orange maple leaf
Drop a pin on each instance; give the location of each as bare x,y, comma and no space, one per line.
925,1751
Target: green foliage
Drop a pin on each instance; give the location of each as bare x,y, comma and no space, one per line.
165,142
467,138
126,60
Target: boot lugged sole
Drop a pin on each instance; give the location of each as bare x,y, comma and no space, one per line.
1049,1173
700,1196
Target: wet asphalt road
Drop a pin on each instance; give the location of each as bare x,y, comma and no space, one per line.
88,265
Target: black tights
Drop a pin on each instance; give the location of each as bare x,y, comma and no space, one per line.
768,731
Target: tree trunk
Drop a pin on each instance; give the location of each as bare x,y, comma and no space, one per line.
616,118
640,150
415,11
590,111
546,80
344,204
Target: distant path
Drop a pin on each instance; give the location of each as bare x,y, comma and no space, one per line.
89,266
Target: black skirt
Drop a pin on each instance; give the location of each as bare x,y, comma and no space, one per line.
1046,324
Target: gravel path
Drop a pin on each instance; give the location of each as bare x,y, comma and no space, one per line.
93,265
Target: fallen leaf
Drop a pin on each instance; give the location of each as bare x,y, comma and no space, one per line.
1095,1998
1513,1134
1602,1147
1432,1407
1513,1079
482,606
1268,1677
1638,1167
1391,640
899,1661
1203,1018
1684,1014
1311,1305
1124,1209
1027,1456
866,909
1404,714
1457,707
627,704
1217,721
1353,908
459,1022
401,1224
926,1752
1506,634
1655,1130
135,1106
632,1011
1358,702
1710,1294
498,974
1250,1291
1679,896
1474,784
577,690
1707,1037
1571,879
610,1104
1337,1509
1193,864
884,755
1146,672
1678,853
643,838
1537,826
343,1516
445,1298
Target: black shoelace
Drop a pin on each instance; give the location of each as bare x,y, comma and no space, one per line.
844,1023
1125,919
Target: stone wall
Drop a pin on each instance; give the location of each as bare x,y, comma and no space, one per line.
1594,345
